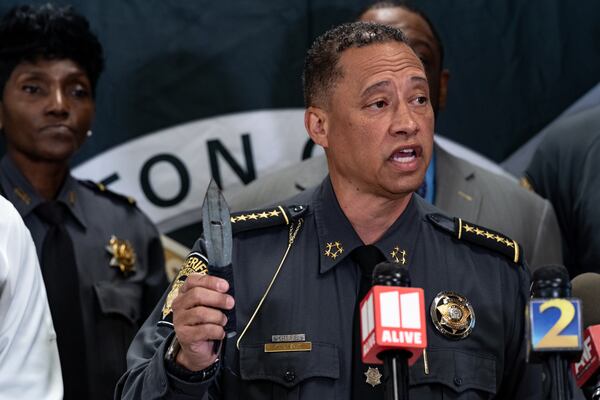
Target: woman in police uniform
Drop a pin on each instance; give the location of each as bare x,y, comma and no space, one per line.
101,257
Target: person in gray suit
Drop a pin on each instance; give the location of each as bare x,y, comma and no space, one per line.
455,185
564,169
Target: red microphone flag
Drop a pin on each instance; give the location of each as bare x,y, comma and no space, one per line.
392,318
589,363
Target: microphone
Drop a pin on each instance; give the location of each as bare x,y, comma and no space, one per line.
393,328
587,369
553,320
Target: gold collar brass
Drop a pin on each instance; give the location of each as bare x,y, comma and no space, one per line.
333,250
399,256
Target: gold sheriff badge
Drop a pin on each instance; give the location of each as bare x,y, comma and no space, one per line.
452,315
123,255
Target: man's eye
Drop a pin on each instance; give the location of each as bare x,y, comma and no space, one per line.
378,104
31,89
422,100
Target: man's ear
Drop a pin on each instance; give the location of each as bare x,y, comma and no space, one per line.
316,124
443,93
1,115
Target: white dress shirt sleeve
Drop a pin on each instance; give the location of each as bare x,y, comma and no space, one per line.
29,363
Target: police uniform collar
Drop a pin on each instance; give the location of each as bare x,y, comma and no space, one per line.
25,198
70,195
337,238
398,242
336,235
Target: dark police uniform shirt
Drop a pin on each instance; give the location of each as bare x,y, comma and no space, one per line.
314,295
114,304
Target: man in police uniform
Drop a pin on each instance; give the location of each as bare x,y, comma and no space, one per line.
453,184
296,266
101,257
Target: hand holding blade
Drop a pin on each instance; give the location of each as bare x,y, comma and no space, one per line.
216,222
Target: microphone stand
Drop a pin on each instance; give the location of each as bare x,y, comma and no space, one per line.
552,284
558,371
395,375
395,362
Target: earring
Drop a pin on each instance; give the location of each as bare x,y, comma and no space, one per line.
89,133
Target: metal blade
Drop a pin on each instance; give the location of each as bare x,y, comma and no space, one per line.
217,227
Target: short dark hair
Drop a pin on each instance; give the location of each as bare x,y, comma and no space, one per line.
29,33
409,6
321,69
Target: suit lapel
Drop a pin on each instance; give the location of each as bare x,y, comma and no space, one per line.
456,189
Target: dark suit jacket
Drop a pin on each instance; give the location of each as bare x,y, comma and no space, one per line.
462,189
564,170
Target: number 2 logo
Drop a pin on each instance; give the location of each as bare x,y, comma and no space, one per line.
553,337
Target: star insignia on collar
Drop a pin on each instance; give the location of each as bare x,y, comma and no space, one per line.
373,376
123,255
333,250
396,253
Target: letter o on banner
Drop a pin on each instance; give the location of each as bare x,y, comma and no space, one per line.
184,178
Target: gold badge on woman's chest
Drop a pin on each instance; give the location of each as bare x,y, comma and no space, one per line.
123,254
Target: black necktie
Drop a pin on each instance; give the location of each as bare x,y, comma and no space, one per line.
367,257
59,270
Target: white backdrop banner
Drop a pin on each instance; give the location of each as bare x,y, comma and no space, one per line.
167,171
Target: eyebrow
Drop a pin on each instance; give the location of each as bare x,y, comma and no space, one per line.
419,79
41,73
385,84
374,88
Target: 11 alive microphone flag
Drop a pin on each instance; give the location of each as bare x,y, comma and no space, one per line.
392,318
555,325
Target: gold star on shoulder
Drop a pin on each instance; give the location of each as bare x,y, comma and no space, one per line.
123,254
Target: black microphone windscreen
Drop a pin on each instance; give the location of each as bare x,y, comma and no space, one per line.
550,272
550,281
390,274
587,287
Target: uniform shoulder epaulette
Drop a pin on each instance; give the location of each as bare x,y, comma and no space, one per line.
100,188
478,235
240,222
266,218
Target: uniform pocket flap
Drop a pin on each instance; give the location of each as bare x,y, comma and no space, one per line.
289,368
457,369
119,298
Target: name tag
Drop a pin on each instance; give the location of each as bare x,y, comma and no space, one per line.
287,347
